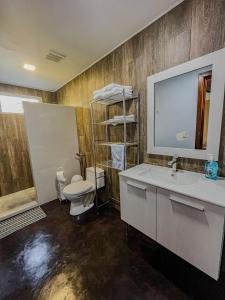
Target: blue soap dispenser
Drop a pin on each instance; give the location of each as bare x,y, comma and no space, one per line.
211,168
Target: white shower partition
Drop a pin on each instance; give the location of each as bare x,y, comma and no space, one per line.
53,143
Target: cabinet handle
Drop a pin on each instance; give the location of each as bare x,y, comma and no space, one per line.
186,203
135,185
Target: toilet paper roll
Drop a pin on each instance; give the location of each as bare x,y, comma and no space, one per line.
60,176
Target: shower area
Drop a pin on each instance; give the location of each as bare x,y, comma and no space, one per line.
17,191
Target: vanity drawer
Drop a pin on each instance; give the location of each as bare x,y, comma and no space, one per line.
191,229
138,205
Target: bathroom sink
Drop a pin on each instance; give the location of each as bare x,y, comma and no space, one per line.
166,175
186,183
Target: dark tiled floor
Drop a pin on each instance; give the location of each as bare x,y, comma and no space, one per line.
57,259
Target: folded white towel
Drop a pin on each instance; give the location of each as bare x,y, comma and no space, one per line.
115,93
118,151
120,119
115,89
126,117
111,86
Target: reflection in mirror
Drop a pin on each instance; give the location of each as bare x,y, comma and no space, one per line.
204,92
182,105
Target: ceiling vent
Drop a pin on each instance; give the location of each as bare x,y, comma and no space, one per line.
55,56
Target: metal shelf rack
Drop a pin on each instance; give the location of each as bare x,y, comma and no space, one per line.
107,164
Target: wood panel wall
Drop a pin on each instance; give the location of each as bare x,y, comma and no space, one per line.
47,97
190,30
15,170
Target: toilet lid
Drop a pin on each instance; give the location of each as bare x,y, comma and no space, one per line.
77,188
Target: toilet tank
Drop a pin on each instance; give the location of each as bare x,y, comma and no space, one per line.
90,176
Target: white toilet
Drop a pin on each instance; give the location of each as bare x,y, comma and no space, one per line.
81,192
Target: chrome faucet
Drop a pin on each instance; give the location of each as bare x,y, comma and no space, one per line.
173,164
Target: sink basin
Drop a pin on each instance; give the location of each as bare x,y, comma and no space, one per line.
186,183
165,174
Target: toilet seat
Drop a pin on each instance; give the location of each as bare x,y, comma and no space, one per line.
78,188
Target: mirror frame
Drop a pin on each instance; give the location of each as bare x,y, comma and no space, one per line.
217,60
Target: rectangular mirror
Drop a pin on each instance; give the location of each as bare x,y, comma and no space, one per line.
185,106
182,110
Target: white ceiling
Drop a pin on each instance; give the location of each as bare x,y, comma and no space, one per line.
84,30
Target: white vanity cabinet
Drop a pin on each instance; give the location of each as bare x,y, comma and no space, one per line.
138,205
184,213
191,229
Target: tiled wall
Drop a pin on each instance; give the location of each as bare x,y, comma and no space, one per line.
192,29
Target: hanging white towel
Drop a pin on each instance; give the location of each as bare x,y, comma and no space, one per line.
88,199
118,151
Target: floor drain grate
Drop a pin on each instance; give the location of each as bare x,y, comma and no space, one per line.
20,221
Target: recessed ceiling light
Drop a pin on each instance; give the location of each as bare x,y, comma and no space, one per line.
29,67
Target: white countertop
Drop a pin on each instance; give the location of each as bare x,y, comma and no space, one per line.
191,184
